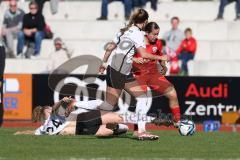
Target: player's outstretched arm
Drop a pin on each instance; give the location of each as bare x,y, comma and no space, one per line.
138,60
144,54
110,47
56,106
27,132
61,102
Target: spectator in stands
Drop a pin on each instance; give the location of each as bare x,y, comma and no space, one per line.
223,4
187,50
2,66
32,30
104,8
59,56
142,3
174,37
40,5
53,5
12,24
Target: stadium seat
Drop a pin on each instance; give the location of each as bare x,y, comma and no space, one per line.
207,50
217,41
70,10
214,68
26,66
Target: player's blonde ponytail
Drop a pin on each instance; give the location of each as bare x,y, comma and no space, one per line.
138,16
38,113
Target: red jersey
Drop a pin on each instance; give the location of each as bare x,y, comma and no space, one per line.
189,45
153,48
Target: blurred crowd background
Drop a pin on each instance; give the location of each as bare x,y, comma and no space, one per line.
201,37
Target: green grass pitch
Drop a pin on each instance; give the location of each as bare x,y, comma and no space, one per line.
171,145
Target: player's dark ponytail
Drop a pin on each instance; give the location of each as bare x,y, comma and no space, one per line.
151,26
138,16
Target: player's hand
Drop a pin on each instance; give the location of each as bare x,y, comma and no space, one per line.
102,69
164,58
28,32
139,60
34,30
67,99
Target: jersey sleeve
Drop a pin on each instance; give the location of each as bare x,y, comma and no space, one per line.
138,39
180,48
39,131
192,46
116,39
159,47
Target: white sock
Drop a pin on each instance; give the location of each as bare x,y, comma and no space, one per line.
141,110
106,106
123,127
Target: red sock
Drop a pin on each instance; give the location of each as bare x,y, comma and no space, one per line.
176,113
135,127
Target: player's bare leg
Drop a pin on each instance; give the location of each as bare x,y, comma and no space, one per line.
103,131
110,118
112,96
27,132
165,88
171,94
114,122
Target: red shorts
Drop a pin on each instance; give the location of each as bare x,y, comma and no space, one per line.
153,80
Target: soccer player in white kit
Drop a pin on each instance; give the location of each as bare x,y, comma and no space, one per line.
119,76
68,117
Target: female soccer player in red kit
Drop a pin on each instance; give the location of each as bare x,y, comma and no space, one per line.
147,73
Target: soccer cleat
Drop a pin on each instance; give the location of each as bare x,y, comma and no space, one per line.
117,130
120,132
102,18
176,124
162,122
122,129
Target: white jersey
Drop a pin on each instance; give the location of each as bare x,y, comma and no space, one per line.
57,122
52,126
126,48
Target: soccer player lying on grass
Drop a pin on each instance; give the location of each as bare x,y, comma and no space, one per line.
59,120
68,117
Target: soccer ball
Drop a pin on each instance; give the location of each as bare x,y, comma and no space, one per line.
187,128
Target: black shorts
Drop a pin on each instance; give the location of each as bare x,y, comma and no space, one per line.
117,80
88,123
